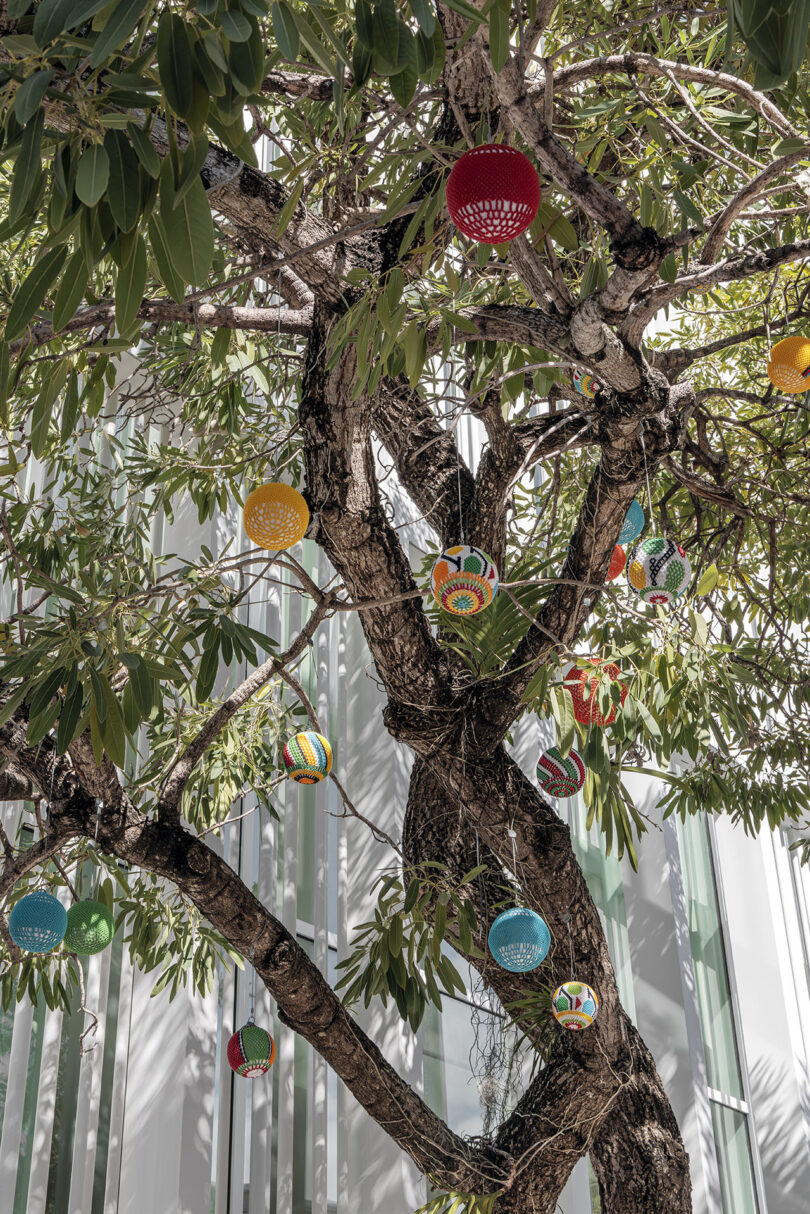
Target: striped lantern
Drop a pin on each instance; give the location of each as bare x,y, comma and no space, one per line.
584,384
464,580
519,940
251,1051
574,1005
658,570
493,193
558,776
308,757
789,365
276,516
617,563
37,922
633,524
584,688
90,928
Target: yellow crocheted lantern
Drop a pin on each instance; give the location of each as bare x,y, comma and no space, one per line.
789,365
276,516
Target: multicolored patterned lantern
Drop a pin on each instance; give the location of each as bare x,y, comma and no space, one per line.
37,922
617,563
90,927
584,688
464,580
574,1005
493,193
658,570
308,757
519,940
558,776
251,1051
789,365
633,524
584,383
276,516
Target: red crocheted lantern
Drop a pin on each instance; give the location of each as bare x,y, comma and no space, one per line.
493,193
584,688
617,563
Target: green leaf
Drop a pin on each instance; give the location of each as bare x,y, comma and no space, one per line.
285,30
92,174
145,150
71,289
122,191
32,291
498,36
70,407
28,166
707,582
159,243
130,285
669,268
28,97
119,25
113,731
69,718
189,231
246,61
175,63
236,26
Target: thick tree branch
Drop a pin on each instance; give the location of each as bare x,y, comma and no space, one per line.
744,197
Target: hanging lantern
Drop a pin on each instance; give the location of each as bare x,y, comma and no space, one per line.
464,580
658,570
308,757
37,922
519,940
584,688
493,193
789,365
584,383
617,563
633,524
574,1005
251,1051
90,928
558,776
276,516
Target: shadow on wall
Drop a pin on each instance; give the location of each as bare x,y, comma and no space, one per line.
781,1137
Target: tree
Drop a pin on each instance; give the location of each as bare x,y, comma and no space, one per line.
287,318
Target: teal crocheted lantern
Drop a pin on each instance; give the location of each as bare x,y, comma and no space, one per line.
558,776
658,570
574,1005
519,940
90,928
251,1051
633,523
584,383
37,922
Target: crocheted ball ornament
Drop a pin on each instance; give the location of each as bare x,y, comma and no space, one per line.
493,193
789,365
584,688
658,570
308,757
276,516
558,776
519,940
37,922
633,523
617,563
251,1051
464,580
90,927
574,1005
584,383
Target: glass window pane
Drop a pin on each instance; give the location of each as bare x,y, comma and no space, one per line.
733,1160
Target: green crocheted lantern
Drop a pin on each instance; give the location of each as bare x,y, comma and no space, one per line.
251,1051
90,927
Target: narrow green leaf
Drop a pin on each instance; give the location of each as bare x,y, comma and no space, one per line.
123,194
71,289
145,150
189,232
70,407
32,291
119,26
27,168
175,64
159,243
28,97
129,286
235,25
92,174
285,30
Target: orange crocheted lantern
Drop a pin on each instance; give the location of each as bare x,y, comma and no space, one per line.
276,516
584,688
789,365
617,563
493,193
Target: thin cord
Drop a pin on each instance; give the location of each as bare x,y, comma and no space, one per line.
647,475
252,990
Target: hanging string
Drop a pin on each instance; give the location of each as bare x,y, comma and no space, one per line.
647,476
251,990
99,805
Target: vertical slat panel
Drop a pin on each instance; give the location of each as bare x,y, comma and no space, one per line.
46,1104
15,1099
84,1142
320,915
120,1082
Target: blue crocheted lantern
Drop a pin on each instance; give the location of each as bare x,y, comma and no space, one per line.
519,940
37,922
633,523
